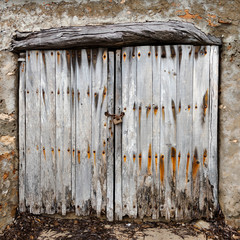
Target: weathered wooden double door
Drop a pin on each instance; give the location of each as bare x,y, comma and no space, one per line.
161,161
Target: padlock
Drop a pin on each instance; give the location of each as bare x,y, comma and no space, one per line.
117,120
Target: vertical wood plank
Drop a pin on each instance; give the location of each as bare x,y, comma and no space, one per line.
184,109
110,136
83,133
63,131
118,137
200,128
156,117
22,135
129,133
99,128
144,97
73,93
48,134
33,133
213,120
168,126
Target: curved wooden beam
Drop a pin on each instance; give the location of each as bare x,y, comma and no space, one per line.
117,35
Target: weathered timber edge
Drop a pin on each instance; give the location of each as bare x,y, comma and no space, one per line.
117,35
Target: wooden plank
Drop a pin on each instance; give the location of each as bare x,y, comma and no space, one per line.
156,131
99,128
33,133
129,133
63,131
168,127
22,135
83,132
213,119
118,137
48,134
200,129
184,110
144,98
73,117
110,137
118,35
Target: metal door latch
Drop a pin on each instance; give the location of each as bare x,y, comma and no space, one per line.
116,118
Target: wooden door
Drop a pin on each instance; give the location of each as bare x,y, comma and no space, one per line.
166,154
65,139
160,162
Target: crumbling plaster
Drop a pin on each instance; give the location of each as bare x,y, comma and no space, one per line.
219,18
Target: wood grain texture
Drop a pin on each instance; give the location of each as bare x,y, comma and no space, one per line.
118,138
184,111
48,130
213,120
110,137
22,135
33,133
83,131
118,35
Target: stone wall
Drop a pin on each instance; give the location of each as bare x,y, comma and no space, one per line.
219,18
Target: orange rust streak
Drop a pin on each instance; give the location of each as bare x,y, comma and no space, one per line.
58,57
134,157
94,156
73,152
156,162
173,157
188,160
104,93
195,166
204,156
205,102
124,158
179,159
88,152
68,57
59,153
140,161
149,159
148,110
155,110
163,113
44,153
162,168
5,175
78,156
140,110
124,56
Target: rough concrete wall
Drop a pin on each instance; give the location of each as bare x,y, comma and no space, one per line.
219,18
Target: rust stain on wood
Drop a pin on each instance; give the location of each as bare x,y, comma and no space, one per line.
73,152
94,157
59,152
96,99
156,162
139,55
173,53
162,168
195,163
104,93
155,110
180,54
179,159
52,152
124,56
149,159
68,57
124,158
188,160
204,156
134,157
140,161
78,95
173,158
179,107
139,117
173,110
72,96
88,152
163,52
197,48
189,108
58,57
134,106
88,92
43,57
163,113
104,56
205,103
104,143
148,110
44,153
78,156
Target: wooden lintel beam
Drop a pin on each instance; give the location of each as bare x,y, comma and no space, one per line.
117,35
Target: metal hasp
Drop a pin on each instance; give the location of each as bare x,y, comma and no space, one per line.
116,118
